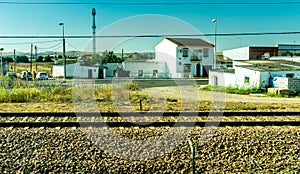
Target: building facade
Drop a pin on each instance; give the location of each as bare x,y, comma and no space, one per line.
251,53
185,57
77,70
255,74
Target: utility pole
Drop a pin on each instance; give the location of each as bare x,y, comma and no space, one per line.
31,55
64,48
36,56
94,32
215,57
14,60
2,74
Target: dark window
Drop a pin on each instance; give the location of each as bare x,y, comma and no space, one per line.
185,52
155,72
247,80
289,75
140,73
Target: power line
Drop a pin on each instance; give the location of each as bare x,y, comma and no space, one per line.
151,3
154,35
72,46
51,47
25,43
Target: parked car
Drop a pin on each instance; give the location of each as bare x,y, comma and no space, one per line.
12,74
26,75
42,76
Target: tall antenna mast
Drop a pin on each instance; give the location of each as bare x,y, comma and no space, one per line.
94,32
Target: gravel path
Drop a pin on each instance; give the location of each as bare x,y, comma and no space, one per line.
234,150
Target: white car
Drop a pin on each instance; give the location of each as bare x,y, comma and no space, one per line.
26,75
42,76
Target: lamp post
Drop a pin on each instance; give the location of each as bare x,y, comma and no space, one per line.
215,57
2,72
64,48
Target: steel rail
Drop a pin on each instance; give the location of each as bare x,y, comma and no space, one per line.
148,124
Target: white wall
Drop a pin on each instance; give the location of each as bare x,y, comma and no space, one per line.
166,51
223,78
58,70
147,68
238,53
83,71
241,73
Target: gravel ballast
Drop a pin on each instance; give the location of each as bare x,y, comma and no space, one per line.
231,149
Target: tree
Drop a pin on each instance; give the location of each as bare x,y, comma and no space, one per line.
47,59
23,59
110,57
40,59
7,59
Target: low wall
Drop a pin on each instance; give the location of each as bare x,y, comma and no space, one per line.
293,84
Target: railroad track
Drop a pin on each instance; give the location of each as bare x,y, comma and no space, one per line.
91,119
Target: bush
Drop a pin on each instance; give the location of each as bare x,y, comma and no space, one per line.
232,90
131,86
15,95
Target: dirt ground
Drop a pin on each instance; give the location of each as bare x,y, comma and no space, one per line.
220,96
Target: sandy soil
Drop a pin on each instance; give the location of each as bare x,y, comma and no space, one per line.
174,92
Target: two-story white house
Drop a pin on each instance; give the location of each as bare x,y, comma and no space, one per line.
185,57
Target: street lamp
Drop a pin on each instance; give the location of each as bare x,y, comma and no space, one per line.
64,48
215,58
1,49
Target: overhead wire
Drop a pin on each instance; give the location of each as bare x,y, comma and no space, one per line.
72,46
154,35
25,43
51,47
150,3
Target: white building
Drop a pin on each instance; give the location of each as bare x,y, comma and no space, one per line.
251,53
58,70
148,69
77,70
254,73
185,57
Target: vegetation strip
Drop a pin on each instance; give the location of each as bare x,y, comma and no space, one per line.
130,114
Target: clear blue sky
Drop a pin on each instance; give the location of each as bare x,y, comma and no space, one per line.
41,19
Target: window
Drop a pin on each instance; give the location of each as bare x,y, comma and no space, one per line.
155,72
205,52
185,52
247,80
215,81
289,75
195,56
140,73
187,68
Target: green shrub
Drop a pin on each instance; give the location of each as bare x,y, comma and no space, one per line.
131,86
232,89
